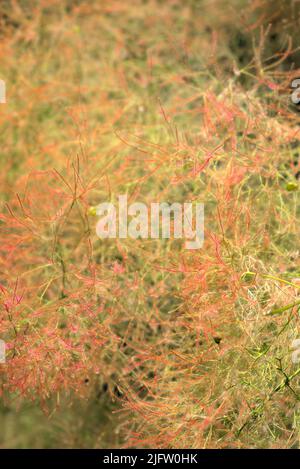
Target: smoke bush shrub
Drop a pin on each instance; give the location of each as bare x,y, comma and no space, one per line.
183,343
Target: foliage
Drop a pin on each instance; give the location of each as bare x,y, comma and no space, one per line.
155,345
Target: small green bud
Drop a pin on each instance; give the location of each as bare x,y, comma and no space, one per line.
92,211
248,276
291,186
